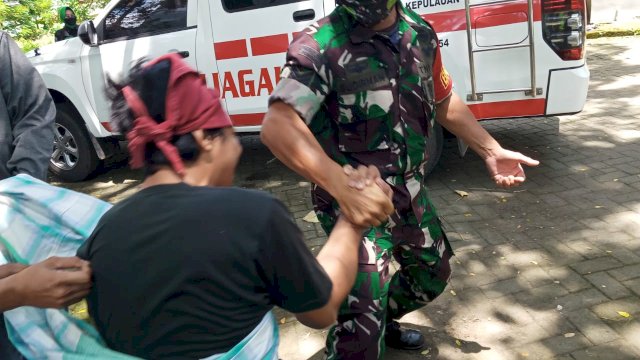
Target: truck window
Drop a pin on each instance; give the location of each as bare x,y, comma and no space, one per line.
136,18
242,5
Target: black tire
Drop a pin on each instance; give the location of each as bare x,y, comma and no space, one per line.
435,142
74,157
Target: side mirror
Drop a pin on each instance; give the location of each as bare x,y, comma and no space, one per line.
88,34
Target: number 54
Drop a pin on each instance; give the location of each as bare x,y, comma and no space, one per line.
444,42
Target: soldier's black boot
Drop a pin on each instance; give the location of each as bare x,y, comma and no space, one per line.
398,337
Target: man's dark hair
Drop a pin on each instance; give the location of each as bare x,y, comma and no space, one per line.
151,85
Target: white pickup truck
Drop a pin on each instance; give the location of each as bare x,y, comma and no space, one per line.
508,58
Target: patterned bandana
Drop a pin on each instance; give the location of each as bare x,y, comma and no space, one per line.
189,106
368,12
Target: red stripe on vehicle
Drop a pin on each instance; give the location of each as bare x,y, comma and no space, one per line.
507,109
247,119
231,49
296,34
493,110
273,44
106,125
482,16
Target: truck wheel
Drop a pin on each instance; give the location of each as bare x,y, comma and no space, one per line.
73,157
434,148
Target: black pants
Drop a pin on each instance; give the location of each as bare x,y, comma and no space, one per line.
7,350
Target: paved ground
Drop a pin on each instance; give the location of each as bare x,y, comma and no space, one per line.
550,270
614,10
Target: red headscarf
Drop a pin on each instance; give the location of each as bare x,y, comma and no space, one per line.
190,106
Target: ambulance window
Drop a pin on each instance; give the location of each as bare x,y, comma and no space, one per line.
135,18
242,5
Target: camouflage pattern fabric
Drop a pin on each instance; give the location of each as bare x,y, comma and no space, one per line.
369,100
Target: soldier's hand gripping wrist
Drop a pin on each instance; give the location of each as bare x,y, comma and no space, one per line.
362,176
364,198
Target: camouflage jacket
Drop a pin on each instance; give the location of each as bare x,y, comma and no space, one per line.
367,98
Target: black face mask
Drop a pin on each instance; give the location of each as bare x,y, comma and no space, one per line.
368,12
71,22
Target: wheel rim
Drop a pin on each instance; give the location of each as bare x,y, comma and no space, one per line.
65,154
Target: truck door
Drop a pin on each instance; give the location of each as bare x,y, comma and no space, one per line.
250,41
136,29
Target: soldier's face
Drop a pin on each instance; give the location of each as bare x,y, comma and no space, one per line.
368,12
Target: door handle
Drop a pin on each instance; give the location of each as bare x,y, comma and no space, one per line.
304,15
184,53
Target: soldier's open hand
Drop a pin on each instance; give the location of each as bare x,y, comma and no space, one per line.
505,167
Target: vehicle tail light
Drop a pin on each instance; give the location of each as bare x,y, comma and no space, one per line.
564,28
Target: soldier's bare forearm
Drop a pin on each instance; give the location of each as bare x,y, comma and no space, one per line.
291,141
456,117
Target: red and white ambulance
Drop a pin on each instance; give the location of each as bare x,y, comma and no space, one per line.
508,58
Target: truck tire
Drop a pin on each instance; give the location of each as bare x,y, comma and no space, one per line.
73,157
435,143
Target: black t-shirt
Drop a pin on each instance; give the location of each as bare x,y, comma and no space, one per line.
187,272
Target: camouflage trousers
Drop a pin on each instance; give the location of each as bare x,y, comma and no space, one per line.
423,253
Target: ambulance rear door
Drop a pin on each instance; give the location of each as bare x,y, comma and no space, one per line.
251,38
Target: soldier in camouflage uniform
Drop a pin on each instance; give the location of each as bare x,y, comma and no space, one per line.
362,87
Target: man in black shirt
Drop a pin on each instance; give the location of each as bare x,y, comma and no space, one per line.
188,266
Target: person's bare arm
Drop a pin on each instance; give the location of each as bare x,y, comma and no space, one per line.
10,269
504,166
339,259
53,283
291,141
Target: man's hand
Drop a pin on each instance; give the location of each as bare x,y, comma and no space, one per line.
505,167
54,283
366,199
361,177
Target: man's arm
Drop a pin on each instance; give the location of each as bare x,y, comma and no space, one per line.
339,259
291,141
339,256
53,283
9,269
504,166
31,111
454,115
